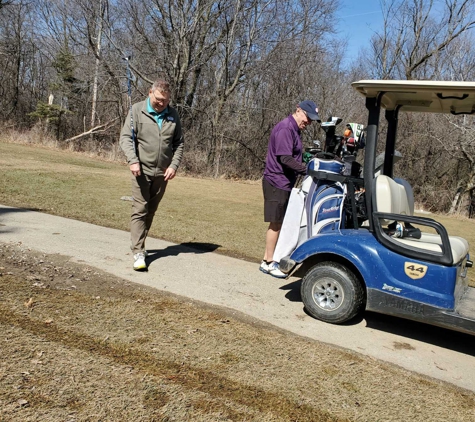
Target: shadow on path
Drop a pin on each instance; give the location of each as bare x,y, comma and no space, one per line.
426,333
441,337
11,209
293,293
187,247
3,211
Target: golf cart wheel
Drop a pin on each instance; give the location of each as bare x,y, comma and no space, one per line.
332,293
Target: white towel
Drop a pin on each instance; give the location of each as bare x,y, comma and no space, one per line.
289,234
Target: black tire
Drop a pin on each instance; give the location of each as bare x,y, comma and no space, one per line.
332,293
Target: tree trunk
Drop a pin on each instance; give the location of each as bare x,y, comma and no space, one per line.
455,201
96,69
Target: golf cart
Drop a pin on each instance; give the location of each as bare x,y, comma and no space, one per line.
359,244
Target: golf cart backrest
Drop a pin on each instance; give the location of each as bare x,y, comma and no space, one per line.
393,203
391,197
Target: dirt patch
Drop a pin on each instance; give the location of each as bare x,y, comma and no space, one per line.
81,345
403,346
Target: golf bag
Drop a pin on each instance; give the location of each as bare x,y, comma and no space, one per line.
317,206
331,196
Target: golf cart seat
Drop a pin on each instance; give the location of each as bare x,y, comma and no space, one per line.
391,197
397,198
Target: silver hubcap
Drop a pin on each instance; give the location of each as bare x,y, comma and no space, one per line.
328,294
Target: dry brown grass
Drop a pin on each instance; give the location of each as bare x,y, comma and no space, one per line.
84,346
222,212
40,136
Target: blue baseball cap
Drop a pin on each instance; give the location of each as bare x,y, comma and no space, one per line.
311,109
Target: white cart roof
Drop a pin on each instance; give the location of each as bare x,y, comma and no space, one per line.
421,96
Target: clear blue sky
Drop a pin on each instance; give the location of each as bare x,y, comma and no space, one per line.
358,19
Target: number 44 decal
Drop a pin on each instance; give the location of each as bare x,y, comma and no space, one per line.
415,271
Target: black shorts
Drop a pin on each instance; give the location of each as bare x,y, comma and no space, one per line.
275,202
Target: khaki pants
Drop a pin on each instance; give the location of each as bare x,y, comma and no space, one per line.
147,192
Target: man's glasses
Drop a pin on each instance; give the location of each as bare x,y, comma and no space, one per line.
306,115
160,100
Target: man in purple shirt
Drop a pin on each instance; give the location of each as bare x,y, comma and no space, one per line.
283,164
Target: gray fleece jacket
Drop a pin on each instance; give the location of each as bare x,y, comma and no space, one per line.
155,149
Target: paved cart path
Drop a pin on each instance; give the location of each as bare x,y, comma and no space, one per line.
238,285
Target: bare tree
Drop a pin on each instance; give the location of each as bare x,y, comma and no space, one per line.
97,50
415,33
4,3
264,43
18,52
430,39
236,68
213,53
458,130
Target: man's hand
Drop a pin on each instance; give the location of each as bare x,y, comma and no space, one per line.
135,169
169,174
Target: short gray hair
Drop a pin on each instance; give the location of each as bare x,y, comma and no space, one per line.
161,85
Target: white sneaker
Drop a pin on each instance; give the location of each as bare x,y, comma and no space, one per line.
264,267
139,262
274,270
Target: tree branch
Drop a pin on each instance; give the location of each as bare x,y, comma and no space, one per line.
96,129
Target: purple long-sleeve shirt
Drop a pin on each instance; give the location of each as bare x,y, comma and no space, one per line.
284,141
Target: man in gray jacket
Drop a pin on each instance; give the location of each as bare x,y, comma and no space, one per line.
153,151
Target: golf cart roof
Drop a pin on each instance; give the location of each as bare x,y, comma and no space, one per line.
421,96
